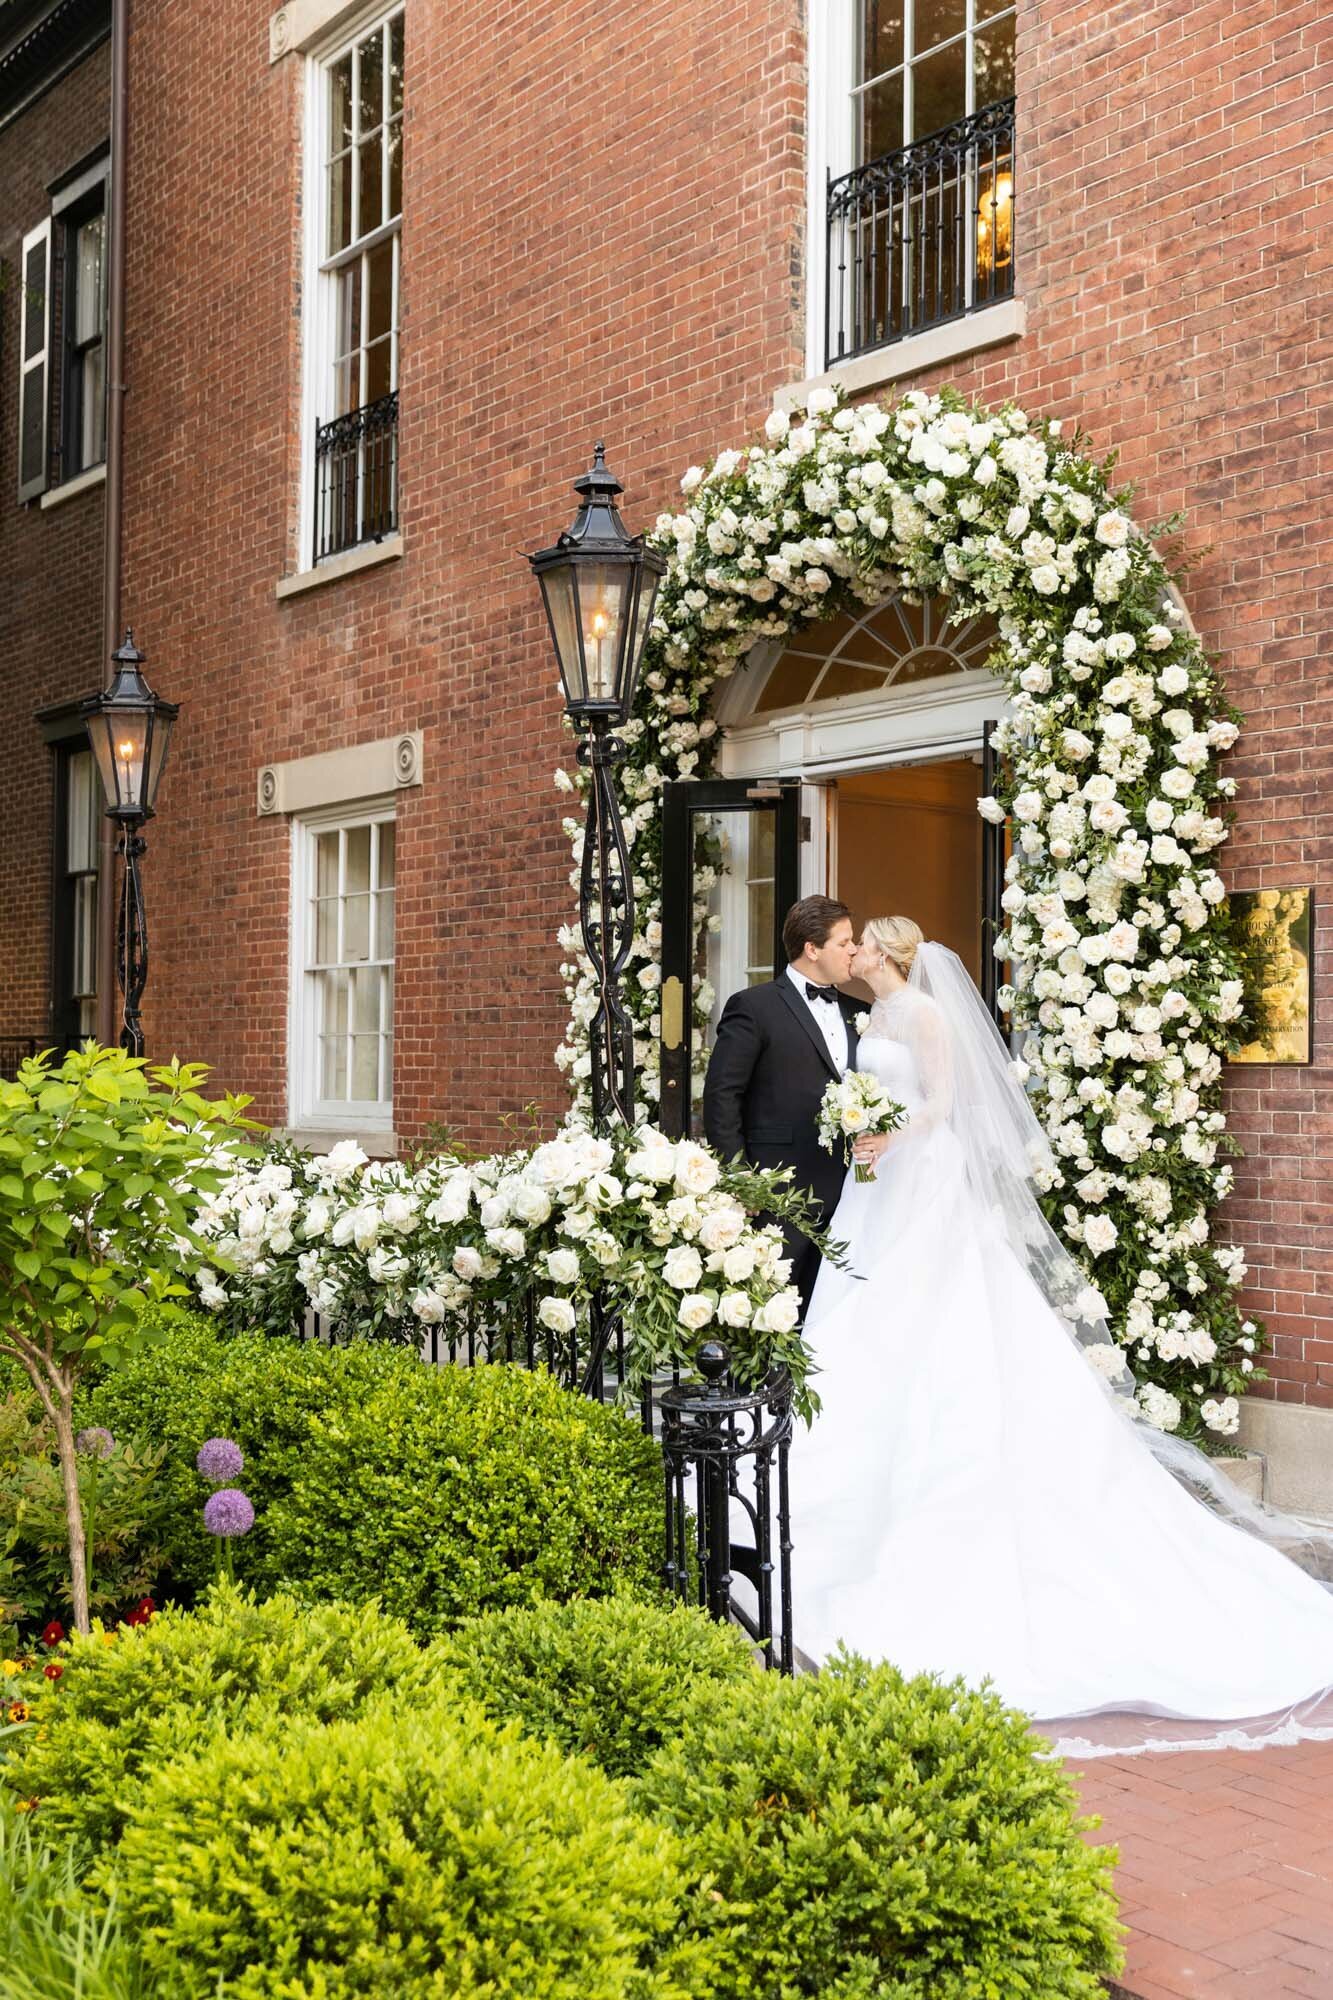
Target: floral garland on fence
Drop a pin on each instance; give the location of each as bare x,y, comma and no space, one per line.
1127,983
383,1249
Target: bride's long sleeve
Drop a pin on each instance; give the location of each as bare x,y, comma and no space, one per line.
917,1021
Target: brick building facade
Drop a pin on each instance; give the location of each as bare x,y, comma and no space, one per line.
612,224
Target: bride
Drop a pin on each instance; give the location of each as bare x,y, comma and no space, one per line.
980,1494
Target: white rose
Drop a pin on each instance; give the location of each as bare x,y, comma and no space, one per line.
691,479
467,1263
1157,638
682,1267
821,402
695,1311
562,1267
779,1314
697,1171
557,1314
1046,579
603,1191
530,1204
427,1305
1173,680
1112,530
734,1309
738,1263
776,426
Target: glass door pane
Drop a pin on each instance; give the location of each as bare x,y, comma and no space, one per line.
729,875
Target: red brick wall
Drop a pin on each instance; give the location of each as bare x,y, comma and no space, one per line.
50,561
604,210
590,236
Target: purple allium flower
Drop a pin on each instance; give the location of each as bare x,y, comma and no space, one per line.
96,1441
228,1512
219,1460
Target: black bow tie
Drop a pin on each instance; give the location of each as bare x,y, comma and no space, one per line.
820,992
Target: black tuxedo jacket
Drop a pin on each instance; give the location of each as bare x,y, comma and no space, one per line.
767,1073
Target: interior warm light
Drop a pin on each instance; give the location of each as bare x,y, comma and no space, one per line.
995,224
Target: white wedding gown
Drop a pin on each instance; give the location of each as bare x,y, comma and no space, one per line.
969,1502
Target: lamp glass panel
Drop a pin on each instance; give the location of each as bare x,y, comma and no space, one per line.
119,739
159,743
643,619
604,603
558,591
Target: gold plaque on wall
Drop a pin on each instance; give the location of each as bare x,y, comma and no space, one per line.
1273,932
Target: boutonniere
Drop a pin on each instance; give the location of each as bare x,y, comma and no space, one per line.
862,1022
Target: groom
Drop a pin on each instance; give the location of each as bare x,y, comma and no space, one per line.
778,1047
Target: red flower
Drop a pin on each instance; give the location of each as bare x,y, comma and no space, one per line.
142,1612
53,1633
53,1670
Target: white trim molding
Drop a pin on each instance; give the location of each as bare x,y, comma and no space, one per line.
56,496
342,777
912,356
367,556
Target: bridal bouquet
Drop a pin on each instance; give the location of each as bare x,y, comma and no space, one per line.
857,1107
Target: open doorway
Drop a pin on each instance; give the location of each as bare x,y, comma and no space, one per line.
907,842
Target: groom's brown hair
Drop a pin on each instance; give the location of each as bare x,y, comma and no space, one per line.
809,922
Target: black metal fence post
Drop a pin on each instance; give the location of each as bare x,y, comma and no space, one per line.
718,1431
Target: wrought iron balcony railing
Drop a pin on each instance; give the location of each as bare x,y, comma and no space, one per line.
921,236
356,477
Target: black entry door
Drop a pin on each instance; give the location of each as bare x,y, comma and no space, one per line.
994,854
730,851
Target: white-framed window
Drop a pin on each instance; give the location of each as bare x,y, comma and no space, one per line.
911,168
342,960
353,267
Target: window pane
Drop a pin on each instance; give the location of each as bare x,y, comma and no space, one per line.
379,291
81,816
396,67
761,925
340,203
326,864
332,1066
394,206
356,929
763,845
92,440
357,863
85,937
882,119
935,21
326,931
340,103
993,63
882,39
939,87
379,370
387,849
370,88
88,279
384,924
370,188
365,1068
366,1000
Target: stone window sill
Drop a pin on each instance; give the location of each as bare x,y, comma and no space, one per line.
82,482
914,355
368,556
378,1143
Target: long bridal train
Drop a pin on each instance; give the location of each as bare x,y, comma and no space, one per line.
974,1499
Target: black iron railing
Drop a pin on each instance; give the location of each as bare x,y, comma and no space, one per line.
15,1049
922,235
356,477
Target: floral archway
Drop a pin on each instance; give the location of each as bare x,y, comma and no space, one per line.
1128,990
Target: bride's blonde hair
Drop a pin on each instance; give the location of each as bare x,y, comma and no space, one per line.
897,938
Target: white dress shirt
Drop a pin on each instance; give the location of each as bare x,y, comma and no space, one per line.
828,1018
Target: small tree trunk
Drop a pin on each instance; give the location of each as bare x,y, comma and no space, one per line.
69,1473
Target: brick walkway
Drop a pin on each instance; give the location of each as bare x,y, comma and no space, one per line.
1226,1870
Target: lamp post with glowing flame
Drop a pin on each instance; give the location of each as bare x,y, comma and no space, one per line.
598,584
129,729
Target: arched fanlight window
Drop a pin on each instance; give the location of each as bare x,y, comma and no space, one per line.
892,645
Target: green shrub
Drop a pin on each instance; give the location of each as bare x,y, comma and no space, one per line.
444,1491
613,1680
154,1692
413,1853
868,1835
